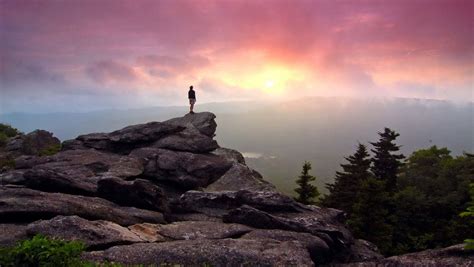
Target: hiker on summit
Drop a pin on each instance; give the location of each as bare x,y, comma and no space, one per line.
192,99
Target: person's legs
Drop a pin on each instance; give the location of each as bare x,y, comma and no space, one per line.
191,105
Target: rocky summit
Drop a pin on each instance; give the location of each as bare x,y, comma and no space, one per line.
167,193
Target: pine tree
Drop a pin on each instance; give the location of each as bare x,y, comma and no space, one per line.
368,220
385,163
306,191
343,193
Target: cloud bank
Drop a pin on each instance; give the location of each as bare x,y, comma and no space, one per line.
114,53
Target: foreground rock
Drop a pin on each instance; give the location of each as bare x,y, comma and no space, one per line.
202,230
318,249
185,169
220,202
240,177
11,234
95,234
199,252
138,193
26,205
78,171
447,257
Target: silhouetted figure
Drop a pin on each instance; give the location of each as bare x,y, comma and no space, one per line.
192,99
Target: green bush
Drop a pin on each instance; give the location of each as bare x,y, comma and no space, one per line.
7,162
469,213
42,251
3,139
51,150
8,130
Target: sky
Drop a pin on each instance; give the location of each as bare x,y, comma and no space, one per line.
82,55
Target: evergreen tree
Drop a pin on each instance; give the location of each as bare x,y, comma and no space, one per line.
368,220
469,212
385,163
306,191
343,193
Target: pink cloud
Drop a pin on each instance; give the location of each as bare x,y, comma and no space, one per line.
105,72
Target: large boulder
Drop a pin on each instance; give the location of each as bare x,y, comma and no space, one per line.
240,177
185,169
318,249
204,122
95,234
11,234
26,205
334,234
192,133
360,251
78,171
201,229
139,193
453,256
220,202
124,140
230,154
187,140
14,177
147,232
198,252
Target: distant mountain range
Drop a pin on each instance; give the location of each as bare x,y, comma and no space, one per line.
278,137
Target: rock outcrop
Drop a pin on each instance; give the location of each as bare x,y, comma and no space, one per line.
165,192
38,142
453,256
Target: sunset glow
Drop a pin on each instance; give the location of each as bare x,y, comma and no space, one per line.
89,54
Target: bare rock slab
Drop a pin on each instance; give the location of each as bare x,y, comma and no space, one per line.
202,230
318,249
139,193
26,205
214,252
78,171
185,169
10,234
98,234
147,232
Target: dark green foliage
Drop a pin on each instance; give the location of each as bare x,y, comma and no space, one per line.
419,209
433,190
368,220
306,191
8,130
7,162
3,139
385,163
51,150
469,212
343,193
42,251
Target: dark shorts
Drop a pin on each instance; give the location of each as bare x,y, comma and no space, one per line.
192,101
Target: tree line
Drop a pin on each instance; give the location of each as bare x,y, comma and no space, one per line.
400,204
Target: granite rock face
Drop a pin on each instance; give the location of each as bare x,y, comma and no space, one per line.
165,192
214,252
95,234
447,257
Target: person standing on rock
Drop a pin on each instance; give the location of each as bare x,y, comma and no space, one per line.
192,99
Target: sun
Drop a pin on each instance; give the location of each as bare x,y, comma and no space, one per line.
269,84
272,79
